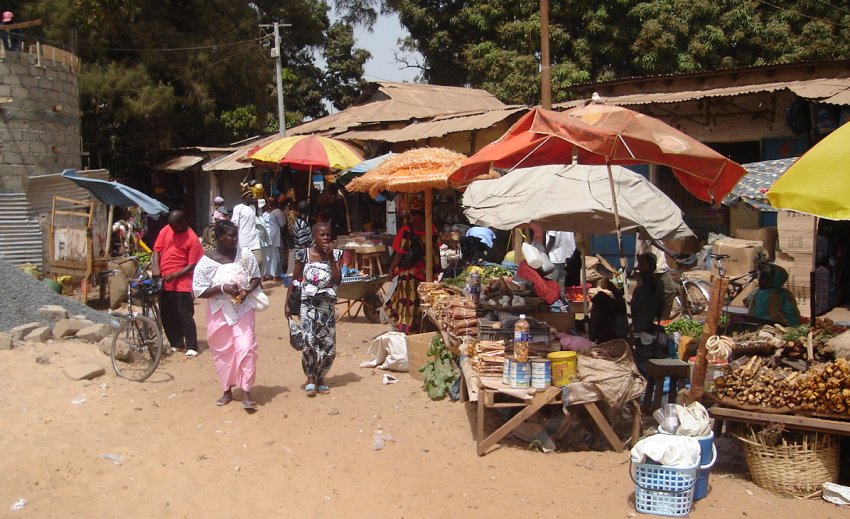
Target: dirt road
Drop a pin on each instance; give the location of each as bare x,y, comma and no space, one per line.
178,455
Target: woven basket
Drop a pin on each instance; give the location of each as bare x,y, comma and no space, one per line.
794,469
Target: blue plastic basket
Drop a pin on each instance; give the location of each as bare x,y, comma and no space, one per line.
663,490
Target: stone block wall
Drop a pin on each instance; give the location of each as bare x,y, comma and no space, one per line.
39,119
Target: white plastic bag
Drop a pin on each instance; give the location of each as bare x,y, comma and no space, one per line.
389,351
693,420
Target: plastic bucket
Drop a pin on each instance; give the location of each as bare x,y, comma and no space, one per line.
53,285
541,373
520,375
564,365
708,455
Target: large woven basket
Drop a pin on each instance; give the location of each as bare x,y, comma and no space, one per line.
794,468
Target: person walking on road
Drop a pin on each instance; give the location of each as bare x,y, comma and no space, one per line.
175,254
317,271
225,277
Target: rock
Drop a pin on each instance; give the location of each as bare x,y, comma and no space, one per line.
19,332
53,312
84,371
69,327
40,334
122,351
79,316
42,359
5,341
94,333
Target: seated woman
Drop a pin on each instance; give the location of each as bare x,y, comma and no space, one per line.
607,313
771,302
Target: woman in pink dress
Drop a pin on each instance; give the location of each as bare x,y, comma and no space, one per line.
225,277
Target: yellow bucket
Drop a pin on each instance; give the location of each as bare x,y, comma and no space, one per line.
563,367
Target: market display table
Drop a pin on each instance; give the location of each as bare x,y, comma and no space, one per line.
803,423
484,390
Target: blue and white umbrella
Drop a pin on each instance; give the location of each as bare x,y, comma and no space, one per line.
113,193
367,165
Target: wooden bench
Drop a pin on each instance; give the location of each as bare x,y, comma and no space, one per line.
802,423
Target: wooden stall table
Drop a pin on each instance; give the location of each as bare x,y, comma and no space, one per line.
367,259
484,390
802,423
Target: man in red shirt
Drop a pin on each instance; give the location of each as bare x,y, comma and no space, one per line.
175,254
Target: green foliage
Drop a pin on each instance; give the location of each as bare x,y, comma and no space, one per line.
241,121
438,374
685,326
495,44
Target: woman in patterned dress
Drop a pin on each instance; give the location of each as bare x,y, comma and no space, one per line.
408,265
317,271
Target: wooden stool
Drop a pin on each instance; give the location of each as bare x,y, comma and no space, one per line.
370,263
658,370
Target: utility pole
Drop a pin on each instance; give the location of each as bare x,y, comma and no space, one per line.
545,71
275,53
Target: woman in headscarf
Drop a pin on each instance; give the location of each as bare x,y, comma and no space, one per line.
771,302
408,267
225,276
317,272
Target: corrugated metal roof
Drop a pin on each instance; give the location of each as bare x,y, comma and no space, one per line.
179,163
832,91
237,160
438,127
20,236
391,102
41,189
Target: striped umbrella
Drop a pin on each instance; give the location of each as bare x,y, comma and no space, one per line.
307,152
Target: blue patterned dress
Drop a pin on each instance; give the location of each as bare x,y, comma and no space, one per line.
318,319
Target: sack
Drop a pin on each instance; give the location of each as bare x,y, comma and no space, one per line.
296,334
293,302
415,251
390,352
261,300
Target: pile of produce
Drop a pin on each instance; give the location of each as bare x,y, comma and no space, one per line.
685,326
824,388
439,373
455,313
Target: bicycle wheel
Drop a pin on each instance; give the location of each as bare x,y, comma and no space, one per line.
697,299
372,308
136,348
677,310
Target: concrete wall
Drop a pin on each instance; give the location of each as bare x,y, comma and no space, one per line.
39,119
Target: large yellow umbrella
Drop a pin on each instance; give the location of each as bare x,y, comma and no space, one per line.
413,171
819,182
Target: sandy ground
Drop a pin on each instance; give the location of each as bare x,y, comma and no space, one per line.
181,456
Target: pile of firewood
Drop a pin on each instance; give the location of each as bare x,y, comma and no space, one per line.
823,388
456,314
488,357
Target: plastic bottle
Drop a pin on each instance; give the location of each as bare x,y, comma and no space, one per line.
473,286
521,339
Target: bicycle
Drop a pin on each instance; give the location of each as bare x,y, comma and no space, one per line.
692,296
137,343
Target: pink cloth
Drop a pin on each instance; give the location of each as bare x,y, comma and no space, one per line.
234,349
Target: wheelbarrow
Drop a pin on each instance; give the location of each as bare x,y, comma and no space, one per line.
361,293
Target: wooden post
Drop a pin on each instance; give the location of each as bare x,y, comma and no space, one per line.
715,305
545,67
108,246
429,238
517,244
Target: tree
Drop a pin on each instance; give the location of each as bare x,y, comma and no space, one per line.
495,44
166,73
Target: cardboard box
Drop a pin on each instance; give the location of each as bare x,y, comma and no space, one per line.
799,268
684,245
705,219
743,255
417,352
766,235
796,231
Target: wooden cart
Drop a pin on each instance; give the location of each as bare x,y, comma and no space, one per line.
70,248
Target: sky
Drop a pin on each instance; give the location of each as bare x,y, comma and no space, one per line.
382,43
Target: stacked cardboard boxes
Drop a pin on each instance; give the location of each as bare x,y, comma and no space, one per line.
795,253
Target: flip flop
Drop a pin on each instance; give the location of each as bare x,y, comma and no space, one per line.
310,389
249,405
224,400
323,389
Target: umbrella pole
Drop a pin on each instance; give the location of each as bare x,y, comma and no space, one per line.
309,182
429,239
583,280
623,263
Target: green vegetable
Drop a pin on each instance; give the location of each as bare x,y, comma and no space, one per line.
439,373
796,333
494,271
457,282
685,326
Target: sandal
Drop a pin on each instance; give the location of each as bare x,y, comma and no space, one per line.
323,389
224,400
310,389
249,405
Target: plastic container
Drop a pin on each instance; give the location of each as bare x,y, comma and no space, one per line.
663,490
473,286
708,455
713,370
564,364
521,339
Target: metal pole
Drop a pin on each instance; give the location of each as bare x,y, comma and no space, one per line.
281,121
545,72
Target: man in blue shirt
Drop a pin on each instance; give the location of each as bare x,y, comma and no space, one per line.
485,236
